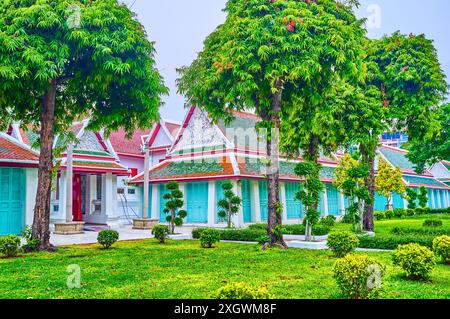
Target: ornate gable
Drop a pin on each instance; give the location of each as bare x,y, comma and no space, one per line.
199,134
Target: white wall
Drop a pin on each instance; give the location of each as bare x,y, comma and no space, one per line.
31,190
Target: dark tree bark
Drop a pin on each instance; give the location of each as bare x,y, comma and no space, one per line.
273,176
41,222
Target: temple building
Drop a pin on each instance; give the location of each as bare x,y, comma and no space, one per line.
205,154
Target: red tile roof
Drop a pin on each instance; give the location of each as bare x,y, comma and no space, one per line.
13,152
132,146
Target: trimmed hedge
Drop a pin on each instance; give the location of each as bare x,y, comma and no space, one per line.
258,232
245,234
420,231
296,229
401,213
393,241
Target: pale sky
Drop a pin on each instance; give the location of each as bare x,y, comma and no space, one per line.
179,27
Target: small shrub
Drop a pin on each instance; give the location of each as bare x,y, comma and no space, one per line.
417,261
241,291
263,239
107,238
328,221
258,226
412,212
432,223
400,213
209,237
30,244
379,215
389,214
245,234
358,276
393,241
342,243
420,211
9,245
441,247
161,233
348,218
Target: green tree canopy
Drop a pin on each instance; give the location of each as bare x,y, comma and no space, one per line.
274,56
63,60
435,148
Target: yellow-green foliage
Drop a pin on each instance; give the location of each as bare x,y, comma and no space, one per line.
241,291
441,247
389,179
341,172
417,261
342,242
358,276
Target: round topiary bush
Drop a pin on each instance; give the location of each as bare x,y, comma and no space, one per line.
379,215
328,221
161,233
432,223
241,291
107,238
417,261
358,276
209,237
9,245
441,247
342,242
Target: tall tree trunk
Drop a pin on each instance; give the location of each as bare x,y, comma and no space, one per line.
41,222
369,182
273,175
313,156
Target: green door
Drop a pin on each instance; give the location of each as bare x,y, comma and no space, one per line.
162,203
246,201
263,200
197,202
293,206
333,200
12,201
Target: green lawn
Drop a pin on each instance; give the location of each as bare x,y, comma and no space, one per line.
181,269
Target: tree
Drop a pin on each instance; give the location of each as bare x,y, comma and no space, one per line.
309,195
62,61
411,84
174,203
436,147
423,197
411,197
275,56
389,180
349,178
230,204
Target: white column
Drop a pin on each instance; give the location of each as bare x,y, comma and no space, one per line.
61,216
107,195
283,202
87,204
211,203
325,201
155,201
31,189
238,219
447,203
92,181
256,208
69,184
433,203
146,179
182,187
341,204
